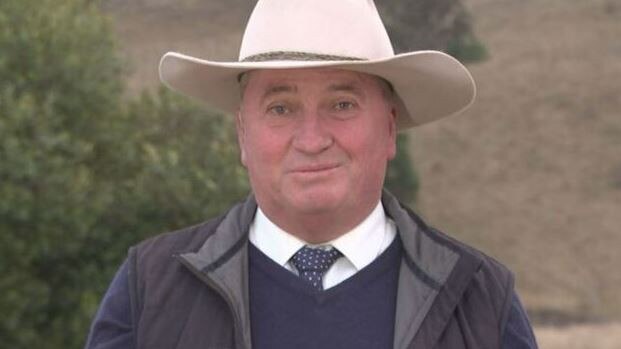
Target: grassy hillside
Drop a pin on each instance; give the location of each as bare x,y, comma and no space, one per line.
532,173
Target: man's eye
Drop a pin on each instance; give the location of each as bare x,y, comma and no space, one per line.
278,109
344,105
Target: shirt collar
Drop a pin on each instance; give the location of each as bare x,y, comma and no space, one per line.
276,243
360,246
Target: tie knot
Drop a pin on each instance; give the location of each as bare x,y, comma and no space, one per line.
312,263
315,259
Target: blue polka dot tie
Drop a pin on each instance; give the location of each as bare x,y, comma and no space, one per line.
312,264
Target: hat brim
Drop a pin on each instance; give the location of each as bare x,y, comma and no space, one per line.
430,85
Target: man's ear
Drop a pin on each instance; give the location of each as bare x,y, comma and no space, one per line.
241,134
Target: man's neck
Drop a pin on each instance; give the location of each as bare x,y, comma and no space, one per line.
321,226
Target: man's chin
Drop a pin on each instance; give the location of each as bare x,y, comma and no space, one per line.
317,203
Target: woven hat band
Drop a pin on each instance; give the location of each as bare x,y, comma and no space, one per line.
297,56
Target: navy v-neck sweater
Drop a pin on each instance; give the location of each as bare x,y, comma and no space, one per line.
286,312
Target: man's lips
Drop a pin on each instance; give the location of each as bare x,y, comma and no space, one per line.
314,168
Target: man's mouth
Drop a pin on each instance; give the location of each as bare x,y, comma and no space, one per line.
315,168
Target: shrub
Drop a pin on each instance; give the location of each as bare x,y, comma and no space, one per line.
83,173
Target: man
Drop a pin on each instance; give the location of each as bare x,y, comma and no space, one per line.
318,256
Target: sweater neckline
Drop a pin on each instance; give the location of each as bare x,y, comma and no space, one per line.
388,259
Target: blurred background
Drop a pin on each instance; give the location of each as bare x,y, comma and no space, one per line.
95,155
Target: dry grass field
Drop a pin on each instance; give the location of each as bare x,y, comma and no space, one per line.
585,336
531,174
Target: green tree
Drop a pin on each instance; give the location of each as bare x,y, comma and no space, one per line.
60,81
401,178
84,173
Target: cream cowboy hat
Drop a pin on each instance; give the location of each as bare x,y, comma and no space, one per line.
343,34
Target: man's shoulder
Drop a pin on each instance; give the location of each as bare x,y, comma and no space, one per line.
487,269
485,282
460,247
487,261
210,238
492,285
188,239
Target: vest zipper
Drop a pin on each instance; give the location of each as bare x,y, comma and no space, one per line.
239,339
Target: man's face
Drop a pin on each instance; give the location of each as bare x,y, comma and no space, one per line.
315,141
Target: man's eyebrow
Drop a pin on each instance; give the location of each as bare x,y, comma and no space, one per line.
276,89
347,87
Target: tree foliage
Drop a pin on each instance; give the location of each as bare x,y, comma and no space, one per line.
84,173
401,178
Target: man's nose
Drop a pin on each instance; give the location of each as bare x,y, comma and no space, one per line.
312,136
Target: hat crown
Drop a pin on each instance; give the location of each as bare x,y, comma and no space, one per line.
345,28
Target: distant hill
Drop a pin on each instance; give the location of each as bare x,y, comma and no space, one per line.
149,28
532,172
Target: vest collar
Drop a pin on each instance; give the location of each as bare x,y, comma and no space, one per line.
434,274
222,263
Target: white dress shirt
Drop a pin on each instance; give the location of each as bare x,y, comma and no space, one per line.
360,246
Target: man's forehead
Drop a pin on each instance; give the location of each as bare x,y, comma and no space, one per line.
293,76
